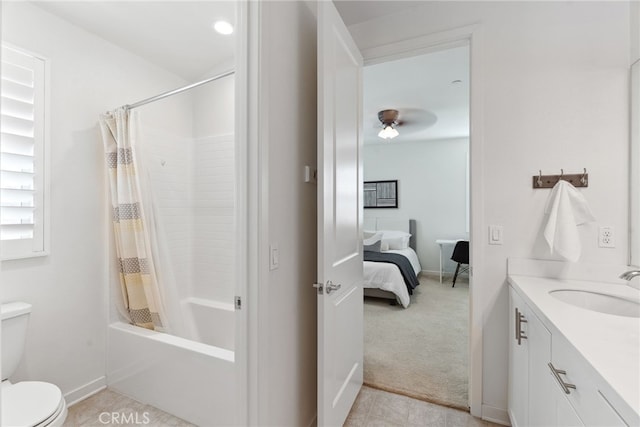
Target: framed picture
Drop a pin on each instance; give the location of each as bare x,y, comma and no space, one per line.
381,194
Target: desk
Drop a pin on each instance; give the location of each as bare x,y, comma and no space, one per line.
441,243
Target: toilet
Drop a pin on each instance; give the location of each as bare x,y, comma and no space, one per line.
26,403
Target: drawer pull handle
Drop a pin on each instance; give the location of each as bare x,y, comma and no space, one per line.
520,319
557,373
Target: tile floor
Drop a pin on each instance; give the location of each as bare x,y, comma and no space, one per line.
372,408
108,408
380,408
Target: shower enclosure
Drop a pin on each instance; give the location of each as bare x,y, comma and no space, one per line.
184,154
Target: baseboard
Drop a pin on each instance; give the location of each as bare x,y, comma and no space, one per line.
495,415
430,273
89,389
446,276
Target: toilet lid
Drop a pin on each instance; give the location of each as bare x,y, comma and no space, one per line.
29,403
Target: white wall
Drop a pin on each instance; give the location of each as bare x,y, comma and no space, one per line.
635,31
286,324
554,77
432,185
68,289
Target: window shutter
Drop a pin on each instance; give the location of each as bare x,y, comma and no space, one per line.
22,172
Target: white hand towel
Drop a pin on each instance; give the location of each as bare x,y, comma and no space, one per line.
567,209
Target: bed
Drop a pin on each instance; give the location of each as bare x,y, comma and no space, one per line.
386,279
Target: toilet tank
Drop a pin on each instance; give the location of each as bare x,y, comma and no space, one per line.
15,316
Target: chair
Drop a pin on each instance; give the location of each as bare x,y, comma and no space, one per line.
461,256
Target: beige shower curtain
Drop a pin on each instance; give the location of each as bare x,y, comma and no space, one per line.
138,279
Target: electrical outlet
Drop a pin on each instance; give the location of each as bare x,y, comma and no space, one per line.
606,237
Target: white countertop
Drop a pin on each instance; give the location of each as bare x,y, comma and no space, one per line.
610,343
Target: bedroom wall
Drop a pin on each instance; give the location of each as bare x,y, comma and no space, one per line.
554,79
432,185
68,288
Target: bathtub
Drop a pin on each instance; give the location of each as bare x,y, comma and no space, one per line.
188,379
210,322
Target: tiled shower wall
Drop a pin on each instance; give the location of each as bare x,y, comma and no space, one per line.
213,191
191,165
213,201
167,159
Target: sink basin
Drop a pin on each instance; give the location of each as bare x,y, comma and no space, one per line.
594,301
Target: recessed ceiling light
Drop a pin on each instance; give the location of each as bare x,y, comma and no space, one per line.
223,27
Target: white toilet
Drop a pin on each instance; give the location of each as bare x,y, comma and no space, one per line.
27,403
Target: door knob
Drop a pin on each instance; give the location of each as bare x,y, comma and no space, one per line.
331,287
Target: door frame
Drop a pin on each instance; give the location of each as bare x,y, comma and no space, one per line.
246,217
463,36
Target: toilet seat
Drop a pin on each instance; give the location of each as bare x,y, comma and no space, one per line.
32,404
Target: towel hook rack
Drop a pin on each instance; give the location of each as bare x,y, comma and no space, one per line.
583,178
548,181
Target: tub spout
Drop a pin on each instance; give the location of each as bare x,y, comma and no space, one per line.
628,275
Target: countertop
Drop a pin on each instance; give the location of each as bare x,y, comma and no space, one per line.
610,343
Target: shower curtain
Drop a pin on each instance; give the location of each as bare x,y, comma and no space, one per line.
138,278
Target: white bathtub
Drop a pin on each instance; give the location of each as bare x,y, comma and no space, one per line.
210,322
188,379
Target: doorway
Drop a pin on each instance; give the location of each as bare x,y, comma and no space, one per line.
420,348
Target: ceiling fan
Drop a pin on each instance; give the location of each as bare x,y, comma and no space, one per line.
412,118
389,121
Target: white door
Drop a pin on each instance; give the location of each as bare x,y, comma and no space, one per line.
340,304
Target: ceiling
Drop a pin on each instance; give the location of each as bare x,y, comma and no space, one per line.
421,89
357,11
176,35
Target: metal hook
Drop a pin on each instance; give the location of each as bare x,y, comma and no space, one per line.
539,178
561,173
583,179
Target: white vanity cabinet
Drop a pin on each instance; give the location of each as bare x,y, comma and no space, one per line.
550,383
518,362
530,390
590,395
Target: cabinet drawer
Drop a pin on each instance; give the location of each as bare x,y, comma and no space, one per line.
565,415
586,398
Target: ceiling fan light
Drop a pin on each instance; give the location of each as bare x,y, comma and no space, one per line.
223,27
389,132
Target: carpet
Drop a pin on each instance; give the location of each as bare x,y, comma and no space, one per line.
420,351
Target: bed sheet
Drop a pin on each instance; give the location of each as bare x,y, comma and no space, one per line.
387,276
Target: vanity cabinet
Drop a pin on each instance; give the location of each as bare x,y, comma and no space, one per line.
530,397
550,383
518,392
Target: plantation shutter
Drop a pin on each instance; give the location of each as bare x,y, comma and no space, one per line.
22,174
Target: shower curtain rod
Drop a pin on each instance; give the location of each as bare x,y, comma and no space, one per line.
176,91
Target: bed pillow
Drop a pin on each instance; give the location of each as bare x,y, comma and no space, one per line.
395,239
375,247
372,239
368,233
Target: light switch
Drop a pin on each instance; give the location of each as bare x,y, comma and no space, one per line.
495,234
309,175
274,256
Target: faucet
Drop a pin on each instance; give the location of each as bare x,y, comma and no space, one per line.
628,275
